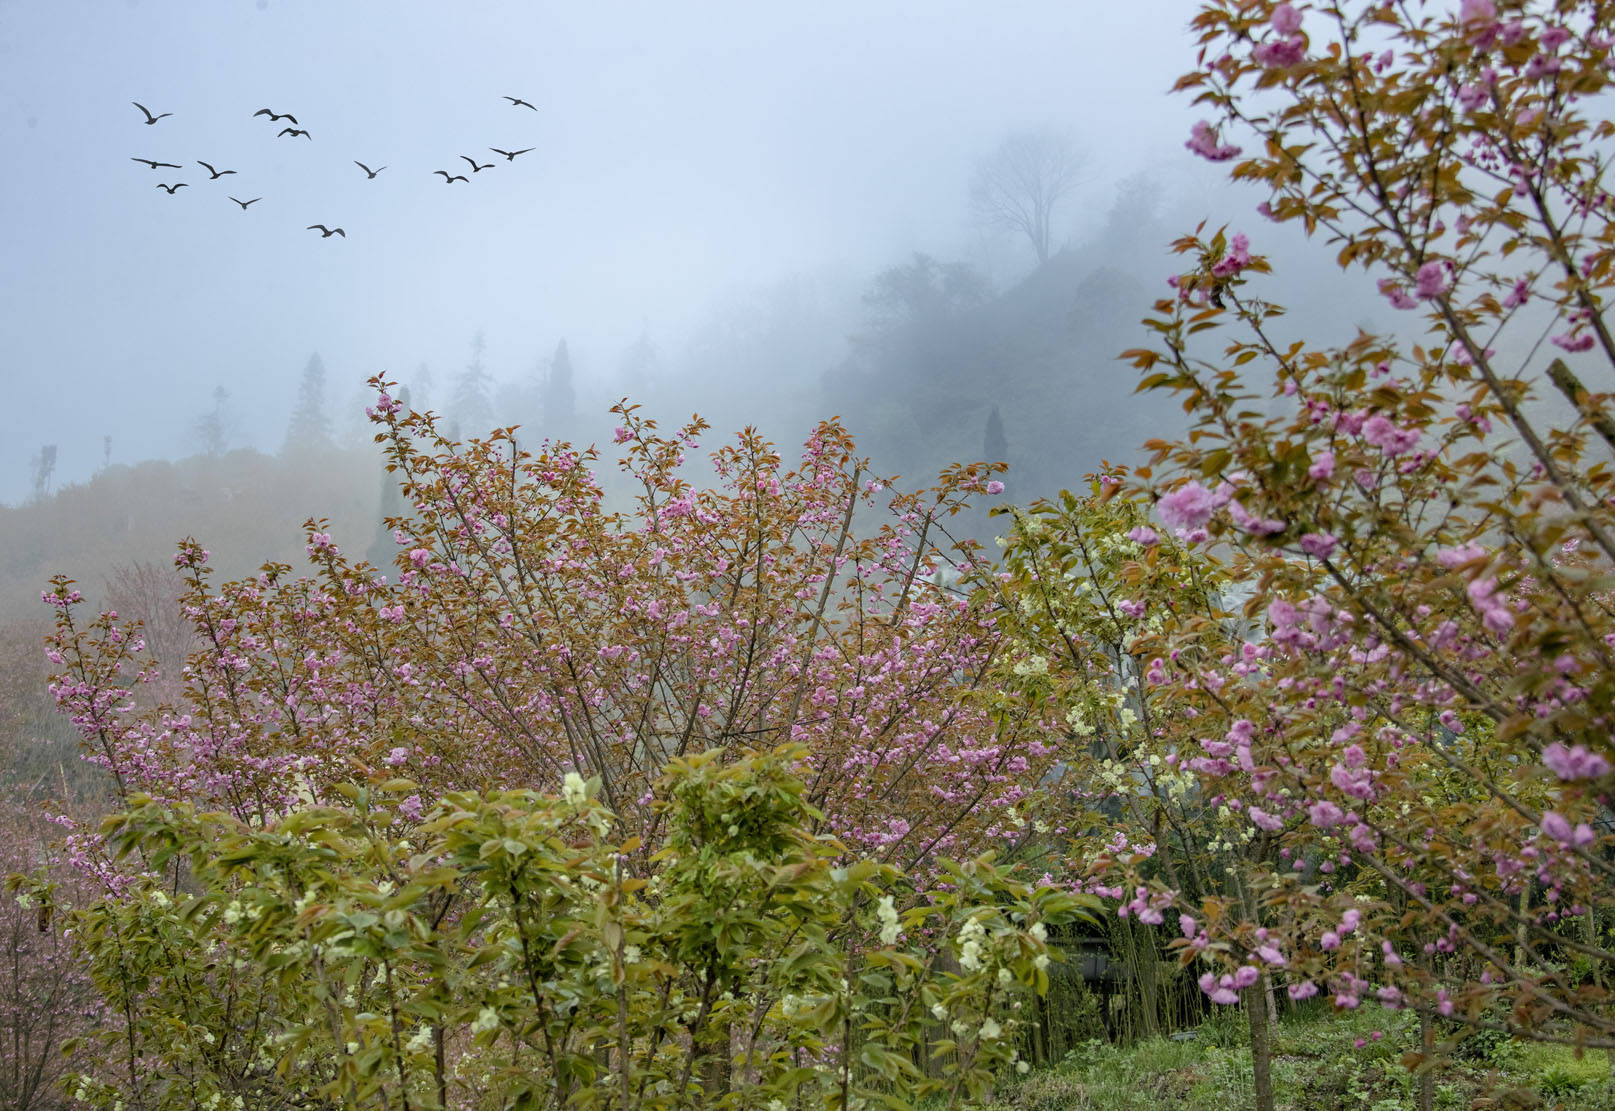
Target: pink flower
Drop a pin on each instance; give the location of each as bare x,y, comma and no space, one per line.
1280,53
1272,956
1325,814
1556,826
1477,11
1306,989
1574,763
1322,467
995,487
1356,782
1286,20
620,435
1318,545
1203,141
1396,295
1457,557
1518,295
1434,279
1263,820
1235,259
1471,98
1246,975
1188,925
1574,343
1257,526
1329,942
1188,507
1384,434
1220,990
1143,534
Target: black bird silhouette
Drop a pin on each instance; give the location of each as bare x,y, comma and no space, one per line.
273,117
254,200
217,174
150,119
294,132
368,171
154,165
449,179
172,188
516,101
325,232
510,155
476,169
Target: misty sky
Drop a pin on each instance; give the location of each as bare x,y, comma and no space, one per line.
684,151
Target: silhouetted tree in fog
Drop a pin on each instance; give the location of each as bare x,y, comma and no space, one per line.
309,430
994,447
560,399
473,409
638,371
212,428
44,468
1021,183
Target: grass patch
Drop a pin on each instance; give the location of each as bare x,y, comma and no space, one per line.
1322,1061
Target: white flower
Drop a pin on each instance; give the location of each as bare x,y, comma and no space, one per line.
991,1031
1032,665
232,913
887,913
1005,976
574,790
1040,962
421,1041
1022,1067
971,935
939,1012
1039,931
487,1019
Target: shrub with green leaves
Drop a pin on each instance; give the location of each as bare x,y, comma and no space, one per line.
509,951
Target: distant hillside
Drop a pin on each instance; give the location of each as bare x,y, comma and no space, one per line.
245,507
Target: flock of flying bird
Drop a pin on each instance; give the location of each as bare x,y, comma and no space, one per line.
297,130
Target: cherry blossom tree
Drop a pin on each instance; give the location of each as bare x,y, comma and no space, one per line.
1422,725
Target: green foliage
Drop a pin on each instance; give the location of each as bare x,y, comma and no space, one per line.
1317,1066
509,952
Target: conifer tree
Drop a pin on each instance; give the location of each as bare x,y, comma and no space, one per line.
309,430
560,399
473,410
212,429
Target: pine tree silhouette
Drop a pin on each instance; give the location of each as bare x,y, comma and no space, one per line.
309,430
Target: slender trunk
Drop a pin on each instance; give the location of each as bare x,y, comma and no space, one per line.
1519,931
716,1060
1261,1048
1427,1072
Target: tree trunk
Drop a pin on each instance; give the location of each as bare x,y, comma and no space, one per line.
1427,1072
717,1059
1261,1047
